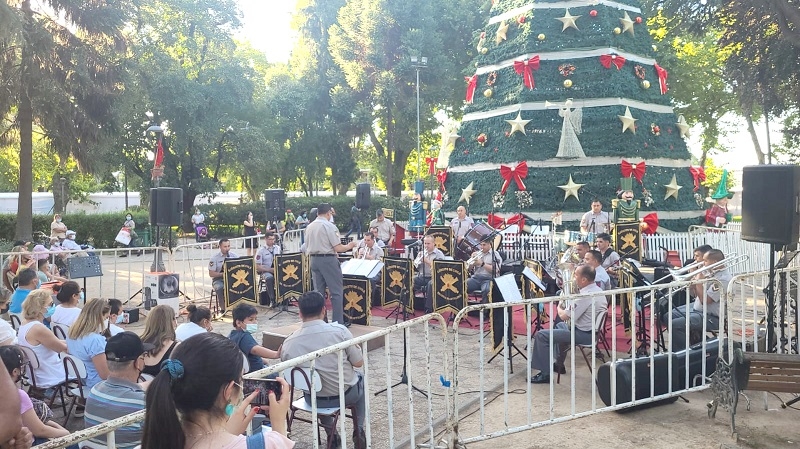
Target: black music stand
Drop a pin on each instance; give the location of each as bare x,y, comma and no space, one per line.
404,374
84,267
510,345
402,307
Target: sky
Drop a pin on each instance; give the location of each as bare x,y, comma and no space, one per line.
267,25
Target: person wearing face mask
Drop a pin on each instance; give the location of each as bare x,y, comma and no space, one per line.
35,335
130,225
159,331
119,394
57,228
245,324
114,317
199,323
68,294
196,401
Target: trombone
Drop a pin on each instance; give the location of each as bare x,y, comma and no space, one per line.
684,274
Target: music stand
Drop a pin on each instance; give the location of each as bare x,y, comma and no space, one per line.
404,374
402,306
84,267
497,288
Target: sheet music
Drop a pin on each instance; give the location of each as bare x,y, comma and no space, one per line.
508,288
533,278
362,267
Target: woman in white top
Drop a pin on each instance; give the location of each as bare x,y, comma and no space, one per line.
199,323
35,335
68,294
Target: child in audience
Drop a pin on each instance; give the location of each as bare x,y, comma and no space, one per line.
199,323
245,324
68,294
196,401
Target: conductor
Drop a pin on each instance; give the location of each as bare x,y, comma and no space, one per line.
322,245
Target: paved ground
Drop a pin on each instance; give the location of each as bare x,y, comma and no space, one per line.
675,425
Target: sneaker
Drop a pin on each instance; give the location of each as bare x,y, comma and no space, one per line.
540,378
360,439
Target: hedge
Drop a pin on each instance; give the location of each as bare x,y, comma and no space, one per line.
223,220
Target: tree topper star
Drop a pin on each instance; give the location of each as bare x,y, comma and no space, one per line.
517,125
571,189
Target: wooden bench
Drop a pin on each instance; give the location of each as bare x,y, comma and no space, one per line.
753,371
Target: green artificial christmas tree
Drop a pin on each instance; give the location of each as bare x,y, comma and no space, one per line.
562,103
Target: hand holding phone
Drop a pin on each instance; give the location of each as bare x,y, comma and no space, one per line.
264,386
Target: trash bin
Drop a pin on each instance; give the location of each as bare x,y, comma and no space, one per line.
144,237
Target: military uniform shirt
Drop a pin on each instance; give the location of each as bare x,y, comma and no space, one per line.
321,237
215,264
265,256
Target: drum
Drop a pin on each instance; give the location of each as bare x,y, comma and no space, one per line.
473,238
589,238
572,237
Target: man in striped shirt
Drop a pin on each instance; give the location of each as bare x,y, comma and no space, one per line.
119,395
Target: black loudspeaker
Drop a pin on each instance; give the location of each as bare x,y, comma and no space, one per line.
771,204
166,206
362,195
275,202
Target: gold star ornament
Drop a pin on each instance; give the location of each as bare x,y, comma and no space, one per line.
517,125
672,188
501,32
627,23
683,126
466,194
571,189
628,122
568,21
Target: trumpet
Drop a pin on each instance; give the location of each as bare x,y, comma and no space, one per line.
419,258
476,256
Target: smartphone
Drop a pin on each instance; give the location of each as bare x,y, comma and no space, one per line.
264,386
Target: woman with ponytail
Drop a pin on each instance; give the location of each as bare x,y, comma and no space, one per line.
196,401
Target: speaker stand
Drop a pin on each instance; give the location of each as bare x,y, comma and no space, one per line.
158,263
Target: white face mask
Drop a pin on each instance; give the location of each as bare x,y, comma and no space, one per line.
128,217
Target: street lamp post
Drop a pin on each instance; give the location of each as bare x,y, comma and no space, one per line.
418,63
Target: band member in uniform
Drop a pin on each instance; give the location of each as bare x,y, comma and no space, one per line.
424,266
265,258
381,244
322,245
707,296
609,258
596,220
385,227
601,278
461,224
368,248
215,271
487,265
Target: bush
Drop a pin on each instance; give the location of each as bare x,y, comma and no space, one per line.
223,220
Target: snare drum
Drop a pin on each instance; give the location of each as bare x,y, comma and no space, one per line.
473,238
572,237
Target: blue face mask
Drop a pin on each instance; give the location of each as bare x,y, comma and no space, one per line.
251,328
128,217
83,297
120,319
50,311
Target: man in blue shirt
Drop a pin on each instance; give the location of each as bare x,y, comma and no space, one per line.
119,395
28,280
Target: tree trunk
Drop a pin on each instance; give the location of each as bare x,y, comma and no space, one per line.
188,209
756,145
25,118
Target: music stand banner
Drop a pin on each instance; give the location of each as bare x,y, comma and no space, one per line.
449,284
626,280
289,277
396,282
357,299
628,240
496,320
443,238
240,277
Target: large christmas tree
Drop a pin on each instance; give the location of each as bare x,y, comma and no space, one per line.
564,94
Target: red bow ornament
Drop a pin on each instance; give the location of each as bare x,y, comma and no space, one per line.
516,219
431,161
662,78
617,60
526,68
651,220
441,176
516,174
495,221
472,83
699,175
635,170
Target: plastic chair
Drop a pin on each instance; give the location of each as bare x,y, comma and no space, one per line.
31,365
304,379
74,368
59,331
15,320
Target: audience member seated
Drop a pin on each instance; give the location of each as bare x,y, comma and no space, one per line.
115,316
315,334
68,295
8,336
199,323
120,394
159,331
70,244
196,401
12,433
35,335
28,281
44,272
582,313
707,296
265,264
11,264
245,324
85,342
14,361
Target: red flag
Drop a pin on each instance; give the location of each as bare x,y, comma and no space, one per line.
159,159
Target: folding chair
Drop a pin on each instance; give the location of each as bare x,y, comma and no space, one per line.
15,320
304,379
31,365
74,368
59,331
